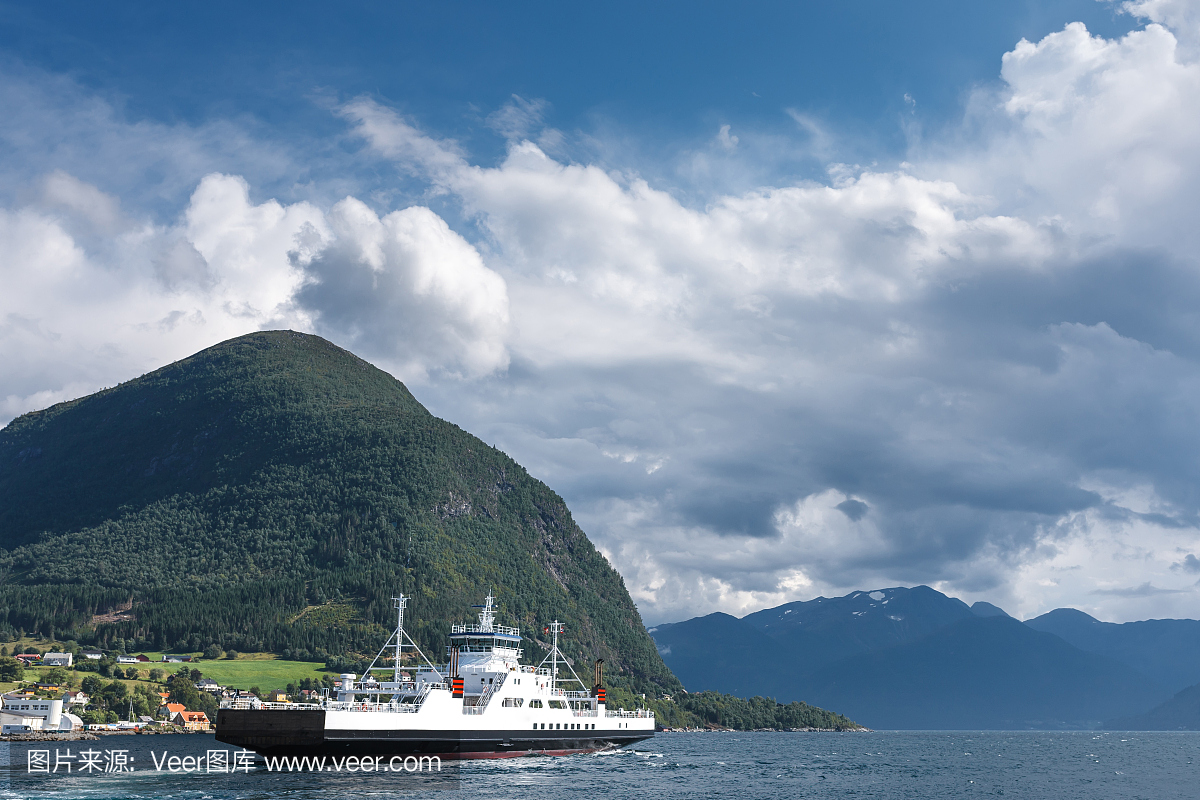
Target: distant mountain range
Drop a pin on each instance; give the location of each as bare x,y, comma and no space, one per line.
1166,650
1180,713
914,658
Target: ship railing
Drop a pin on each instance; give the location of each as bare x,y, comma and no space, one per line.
246,705
641,713
484,699
429,687
483,649
570,695
241,705
585,712
501,629
393,708
409,705
522,669
332,705
406,688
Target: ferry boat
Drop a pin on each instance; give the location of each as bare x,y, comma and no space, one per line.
483,703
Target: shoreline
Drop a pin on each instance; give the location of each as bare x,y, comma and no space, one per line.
79,736
763,730
56,736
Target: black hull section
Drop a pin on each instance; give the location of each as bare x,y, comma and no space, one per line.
267,731
302,733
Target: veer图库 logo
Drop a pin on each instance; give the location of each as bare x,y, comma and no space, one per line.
216,761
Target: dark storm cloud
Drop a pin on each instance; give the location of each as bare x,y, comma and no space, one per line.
1189,564
854,509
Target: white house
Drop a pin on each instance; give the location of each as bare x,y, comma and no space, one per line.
92,654
76,698
57,660
24,714
127,660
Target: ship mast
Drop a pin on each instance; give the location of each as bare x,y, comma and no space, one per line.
398,603
555,654
555,626
487,616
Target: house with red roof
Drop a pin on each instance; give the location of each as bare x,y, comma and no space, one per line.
192,720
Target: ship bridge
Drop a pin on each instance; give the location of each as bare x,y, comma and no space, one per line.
486,640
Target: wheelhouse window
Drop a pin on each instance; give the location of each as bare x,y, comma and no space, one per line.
535,703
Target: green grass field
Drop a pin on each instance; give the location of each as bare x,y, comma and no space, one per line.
263,670
265,673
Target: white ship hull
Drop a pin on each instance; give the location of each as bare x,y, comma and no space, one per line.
272,731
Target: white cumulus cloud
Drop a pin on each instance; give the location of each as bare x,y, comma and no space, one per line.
410,290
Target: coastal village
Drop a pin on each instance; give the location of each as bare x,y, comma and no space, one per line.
77,690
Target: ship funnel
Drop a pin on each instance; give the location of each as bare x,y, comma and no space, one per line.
456,681
598,689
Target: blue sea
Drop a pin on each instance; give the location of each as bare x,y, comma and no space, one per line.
747,766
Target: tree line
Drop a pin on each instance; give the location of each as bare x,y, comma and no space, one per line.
717,710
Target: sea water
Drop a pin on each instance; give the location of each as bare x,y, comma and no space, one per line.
746,766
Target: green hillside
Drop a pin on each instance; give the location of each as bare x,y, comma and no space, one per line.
272,493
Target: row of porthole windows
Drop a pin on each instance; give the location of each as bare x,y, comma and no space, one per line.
556,726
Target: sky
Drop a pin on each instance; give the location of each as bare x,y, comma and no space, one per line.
785,299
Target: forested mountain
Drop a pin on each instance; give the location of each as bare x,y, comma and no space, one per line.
272,493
